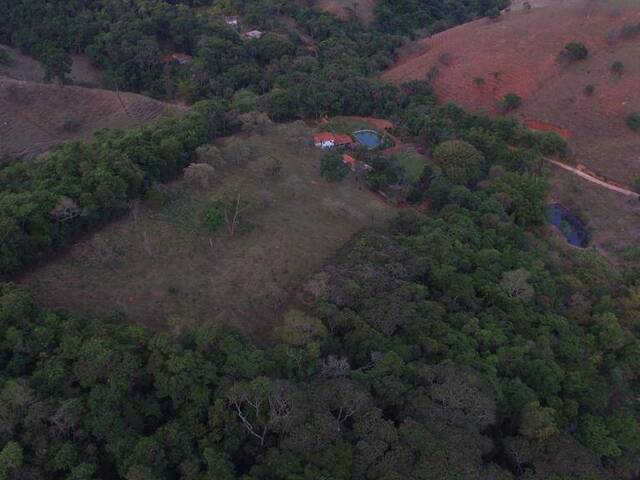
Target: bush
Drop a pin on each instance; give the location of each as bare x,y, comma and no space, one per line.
617,67
576,50
332,168
460,161
633,121
589,89
213,217
4,57
510,102
552,144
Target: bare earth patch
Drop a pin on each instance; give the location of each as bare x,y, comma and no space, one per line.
160,266
345,9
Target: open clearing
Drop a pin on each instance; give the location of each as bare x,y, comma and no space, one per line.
346,9
520,53
160,266
36,116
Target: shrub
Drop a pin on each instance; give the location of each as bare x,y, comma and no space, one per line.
493,13
71,125
460,161
590,89
576,50
552,144
332,168
510,102
213,217
4,57
633,121
617,67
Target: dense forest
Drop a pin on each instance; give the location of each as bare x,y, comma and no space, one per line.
457,344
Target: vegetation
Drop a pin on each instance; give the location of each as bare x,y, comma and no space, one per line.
4,57
451,345
633,121
617,67
406,16
460,161
576,51
590,89
45,205
510,102
332,168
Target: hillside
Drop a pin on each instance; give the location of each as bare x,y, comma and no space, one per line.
478,63
36,116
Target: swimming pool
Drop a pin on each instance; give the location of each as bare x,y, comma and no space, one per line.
368,138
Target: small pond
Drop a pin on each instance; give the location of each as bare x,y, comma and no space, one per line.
570,225
368,138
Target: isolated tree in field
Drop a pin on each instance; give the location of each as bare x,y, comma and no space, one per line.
478,81
617,67
526,6
633,121
332,168
510,102
460,161
589,90
576,51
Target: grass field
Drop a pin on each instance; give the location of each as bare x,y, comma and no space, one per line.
345,9
161,267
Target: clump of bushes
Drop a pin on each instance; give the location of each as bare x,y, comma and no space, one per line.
510,102
617,67
576,51
332,168
633,121
4,57
461,162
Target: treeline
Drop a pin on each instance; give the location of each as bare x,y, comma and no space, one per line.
407,16
45,204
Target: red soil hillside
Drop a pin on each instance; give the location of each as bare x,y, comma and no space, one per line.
35,116
345,9
520,54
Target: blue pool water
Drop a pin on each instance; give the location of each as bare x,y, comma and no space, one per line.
368,138
571,226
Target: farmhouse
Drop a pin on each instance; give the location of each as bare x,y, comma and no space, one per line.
254,34
231,21
179,58
330,140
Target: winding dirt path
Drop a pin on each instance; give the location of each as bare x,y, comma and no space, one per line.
592,179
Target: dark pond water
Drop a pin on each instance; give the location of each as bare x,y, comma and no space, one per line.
368,138
570,225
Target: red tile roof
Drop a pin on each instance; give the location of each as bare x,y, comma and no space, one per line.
324,137
349,160
343,139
